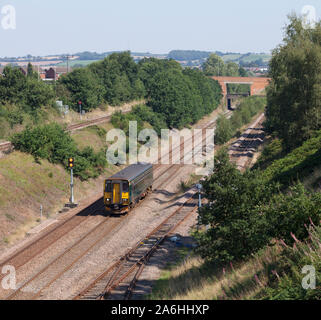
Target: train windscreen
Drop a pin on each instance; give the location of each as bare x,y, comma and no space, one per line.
108,187
125,186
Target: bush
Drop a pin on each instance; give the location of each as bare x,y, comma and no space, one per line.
26,92
288,284
245,212
51,142
290,213
249,107
146,114
237,226
296,164
121,121
224,131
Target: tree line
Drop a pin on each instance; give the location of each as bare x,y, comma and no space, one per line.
179,96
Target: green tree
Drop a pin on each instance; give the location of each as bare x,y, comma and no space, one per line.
118,73
294,95
224,131
83,86
170,95
214,66
30,72
232,69
13,85
26,92
243,72
236,228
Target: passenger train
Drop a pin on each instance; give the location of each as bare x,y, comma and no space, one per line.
123,190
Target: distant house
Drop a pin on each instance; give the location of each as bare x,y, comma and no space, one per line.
45,74
54,73
50,74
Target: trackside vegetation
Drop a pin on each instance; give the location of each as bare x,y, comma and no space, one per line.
53,143
269,206
294,96
245,212
176,97
227,128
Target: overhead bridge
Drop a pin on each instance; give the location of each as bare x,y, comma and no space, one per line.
257,84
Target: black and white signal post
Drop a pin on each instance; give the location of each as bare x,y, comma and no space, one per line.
71,167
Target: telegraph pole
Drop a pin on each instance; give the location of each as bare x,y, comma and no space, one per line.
67,63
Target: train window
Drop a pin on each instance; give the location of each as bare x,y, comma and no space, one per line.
125,186
108,187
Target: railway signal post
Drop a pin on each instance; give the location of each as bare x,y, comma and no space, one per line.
71,167
199,188
80,108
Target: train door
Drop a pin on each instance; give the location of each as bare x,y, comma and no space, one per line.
116,193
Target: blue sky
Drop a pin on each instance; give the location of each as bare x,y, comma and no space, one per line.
69,26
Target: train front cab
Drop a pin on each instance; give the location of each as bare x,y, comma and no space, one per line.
117,198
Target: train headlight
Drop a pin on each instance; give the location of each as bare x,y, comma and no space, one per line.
108,200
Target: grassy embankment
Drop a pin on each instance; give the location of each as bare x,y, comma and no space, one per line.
26,184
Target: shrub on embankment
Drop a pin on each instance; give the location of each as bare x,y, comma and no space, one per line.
51,142
297,164
248,108
245,212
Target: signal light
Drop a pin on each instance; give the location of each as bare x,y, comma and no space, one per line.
71,163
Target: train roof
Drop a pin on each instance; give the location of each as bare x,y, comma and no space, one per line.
131,172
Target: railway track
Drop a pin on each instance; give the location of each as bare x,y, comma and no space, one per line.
244,148
89,123
119,280
69,257
6,146
64,261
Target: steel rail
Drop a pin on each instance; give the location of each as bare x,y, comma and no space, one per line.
117,266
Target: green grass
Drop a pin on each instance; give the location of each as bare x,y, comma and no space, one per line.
274,273
72,63
255,56
231,57
297,164
94,137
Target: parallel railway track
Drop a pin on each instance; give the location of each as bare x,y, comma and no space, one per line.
244,148
124,274
64,261
7,146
